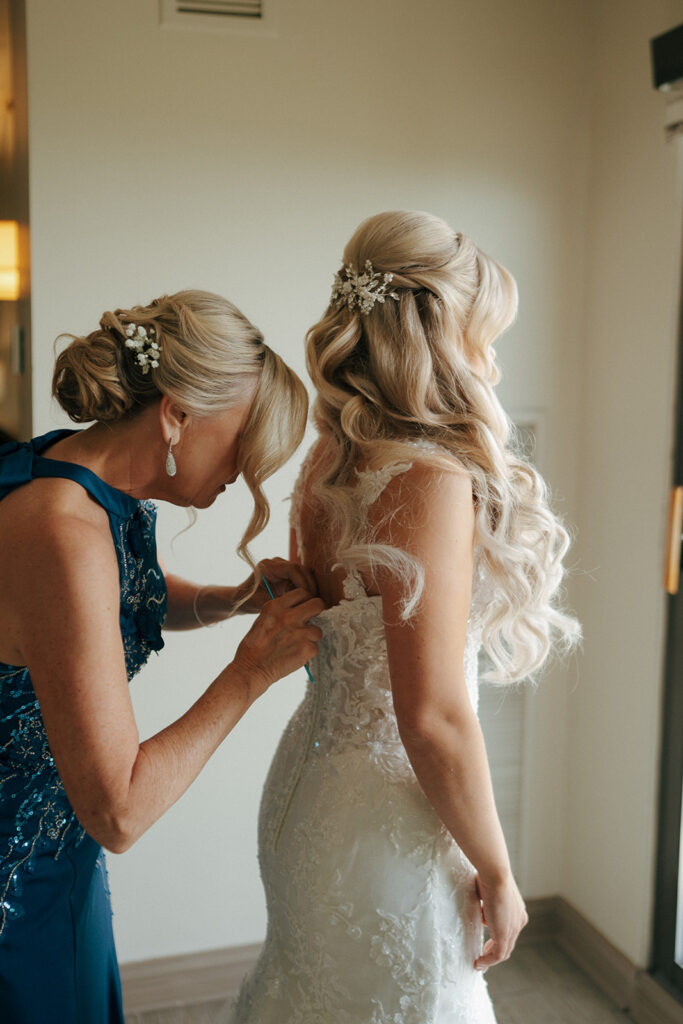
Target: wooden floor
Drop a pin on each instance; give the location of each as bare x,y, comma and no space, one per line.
538,985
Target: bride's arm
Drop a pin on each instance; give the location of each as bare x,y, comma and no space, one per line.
436,721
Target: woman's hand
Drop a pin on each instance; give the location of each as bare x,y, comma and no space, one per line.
504,914
282,576
191,605
280,641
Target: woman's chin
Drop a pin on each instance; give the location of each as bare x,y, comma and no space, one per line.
206,502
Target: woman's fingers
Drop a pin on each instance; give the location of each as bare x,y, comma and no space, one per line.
283,575
481,962
503,910
281,639
493,953
298,604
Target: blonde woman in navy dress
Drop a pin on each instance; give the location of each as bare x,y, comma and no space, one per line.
185,397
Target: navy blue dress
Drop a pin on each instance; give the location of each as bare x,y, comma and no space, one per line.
57,956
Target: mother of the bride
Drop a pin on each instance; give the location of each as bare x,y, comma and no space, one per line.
185,396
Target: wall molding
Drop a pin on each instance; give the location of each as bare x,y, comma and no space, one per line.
215,974
646,998
602,962
652,1003
192,978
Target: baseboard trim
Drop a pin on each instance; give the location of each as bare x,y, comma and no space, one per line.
594,954
652,1004
632,989
543,919
193,978
216,974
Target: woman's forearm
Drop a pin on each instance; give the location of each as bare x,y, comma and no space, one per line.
448,756
191,605
168,762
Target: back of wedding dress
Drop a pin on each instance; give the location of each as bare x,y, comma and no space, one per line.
372,911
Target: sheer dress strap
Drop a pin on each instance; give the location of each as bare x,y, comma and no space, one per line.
370,485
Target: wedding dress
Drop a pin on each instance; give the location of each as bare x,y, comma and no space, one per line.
372,912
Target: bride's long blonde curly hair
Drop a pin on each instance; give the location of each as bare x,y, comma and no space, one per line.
421,368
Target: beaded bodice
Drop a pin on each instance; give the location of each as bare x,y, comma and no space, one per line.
35,814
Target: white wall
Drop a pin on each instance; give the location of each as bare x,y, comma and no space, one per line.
628,352
161,160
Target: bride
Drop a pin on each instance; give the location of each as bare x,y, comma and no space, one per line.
429,534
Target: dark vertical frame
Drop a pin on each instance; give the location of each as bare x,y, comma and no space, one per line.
14,205
671,785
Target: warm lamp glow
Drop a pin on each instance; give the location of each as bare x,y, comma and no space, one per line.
9,260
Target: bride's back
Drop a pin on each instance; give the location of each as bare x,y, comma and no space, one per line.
386,496
312,543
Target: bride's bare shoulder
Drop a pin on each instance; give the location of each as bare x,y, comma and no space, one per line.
423,482
395,473
425,498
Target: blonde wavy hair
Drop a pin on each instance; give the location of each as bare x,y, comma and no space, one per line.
421,368
212,359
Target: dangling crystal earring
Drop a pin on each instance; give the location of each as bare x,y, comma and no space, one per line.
170,461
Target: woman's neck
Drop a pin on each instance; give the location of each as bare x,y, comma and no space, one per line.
128,455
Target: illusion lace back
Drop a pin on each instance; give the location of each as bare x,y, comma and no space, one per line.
372,911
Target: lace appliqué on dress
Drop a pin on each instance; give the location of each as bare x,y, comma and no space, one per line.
372,914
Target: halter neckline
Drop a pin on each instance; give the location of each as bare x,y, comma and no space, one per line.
22,461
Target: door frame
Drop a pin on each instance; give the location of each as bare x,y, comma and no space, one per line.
666,909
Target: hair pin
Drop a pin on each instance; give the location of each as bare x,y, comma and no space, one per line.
361,290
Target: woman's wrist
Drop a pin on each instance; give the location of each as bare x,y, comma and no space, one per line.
212,604
496,875
242,683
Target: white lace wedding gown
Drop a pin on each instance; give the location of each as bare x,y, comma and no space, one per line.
372,912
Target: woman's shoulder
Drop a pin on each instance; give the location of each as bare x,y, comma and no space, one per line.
50,514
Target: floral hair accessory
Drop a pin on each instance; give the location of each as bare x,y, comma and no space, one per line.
361,290
145,345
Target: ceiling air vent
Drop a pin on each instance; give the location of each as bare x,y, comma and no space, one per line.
250,16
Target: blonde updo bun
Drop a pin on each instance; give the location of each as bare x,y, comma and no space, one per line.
95,377
212,359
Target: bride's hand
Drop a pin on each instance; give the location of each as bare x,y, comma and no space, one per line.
282,576
504,914
280,641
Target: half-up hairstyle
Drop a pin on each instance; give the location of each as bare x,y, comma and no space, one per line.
212,359
420,368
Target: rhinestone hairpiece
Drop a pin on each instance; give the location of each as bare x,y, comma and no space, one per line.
361,290
144,343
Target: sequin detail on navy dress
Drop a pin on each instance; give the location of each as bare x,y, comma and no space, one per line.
57,957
